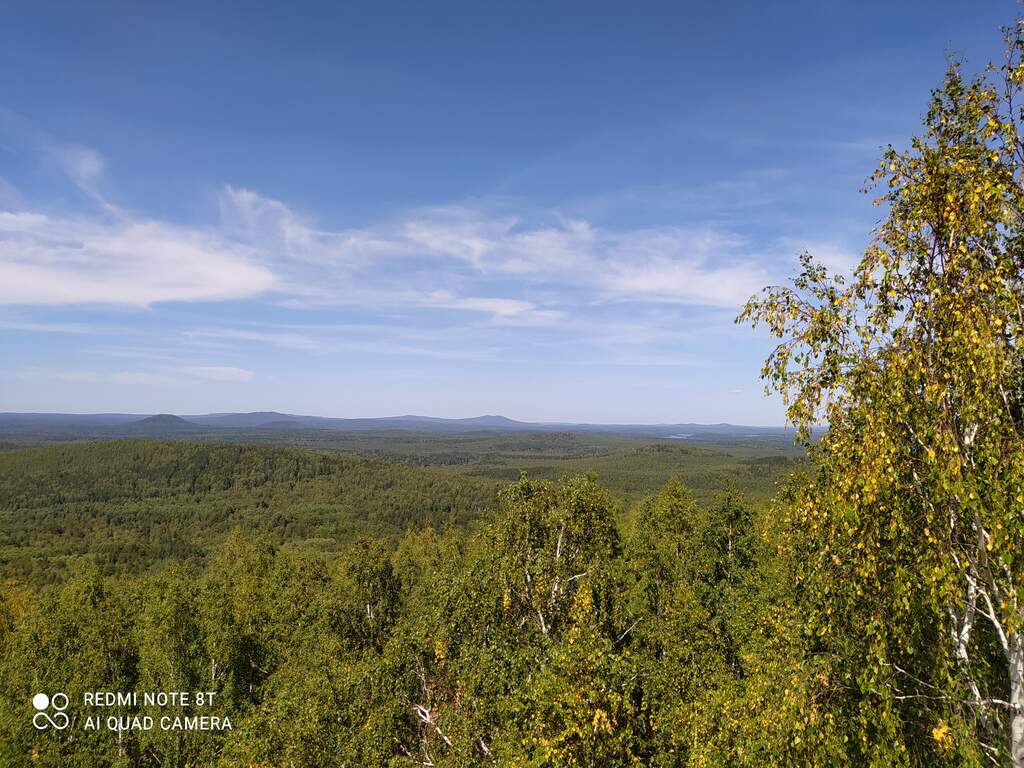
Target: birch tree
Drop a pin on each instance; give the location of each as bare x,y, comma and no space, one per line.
913,525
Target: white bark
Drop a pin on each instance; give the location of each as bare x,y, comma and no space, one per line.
427,719
1015,661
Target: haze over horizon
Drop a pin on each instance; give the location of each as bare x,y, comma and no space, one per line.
376,417
552,213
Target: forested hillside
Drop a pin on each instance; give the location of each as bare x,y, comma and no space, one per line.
630,465
549,637
371,610
131,505
347,611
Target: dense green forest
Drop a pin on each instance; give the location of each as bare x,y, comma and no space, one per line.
631,465
133,505
130,505
353,611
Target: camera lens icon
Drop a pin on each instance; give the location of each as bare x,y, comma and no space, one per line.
43,719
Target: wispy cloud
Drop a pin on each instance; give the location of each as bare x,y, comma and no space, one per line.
162,375
95,377
487,255
286,340
517,267
838,257
663,279
73,328
219,373
49,260
10,197
487,281
83,165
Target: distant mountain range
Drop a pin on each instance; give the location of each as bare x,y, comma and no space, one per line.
161,425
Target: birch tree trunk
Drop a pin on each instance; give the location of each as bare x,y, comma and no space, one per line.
1015,659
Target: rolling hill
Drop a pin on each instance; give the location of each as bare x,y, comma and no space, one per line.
77,426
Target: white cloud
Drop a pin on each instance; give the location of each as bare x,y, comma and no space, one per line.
456,233
280,232
219,373
286,340
516,271
81,164
139,377
159,375
499,307
46,260
837,258
684,282
74,328
93,377
10,197
483,253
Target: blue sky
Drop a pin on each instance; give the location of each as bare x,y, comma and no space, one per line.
550,211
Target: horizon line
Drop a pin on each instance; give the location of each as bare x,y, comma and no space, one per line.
399,417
